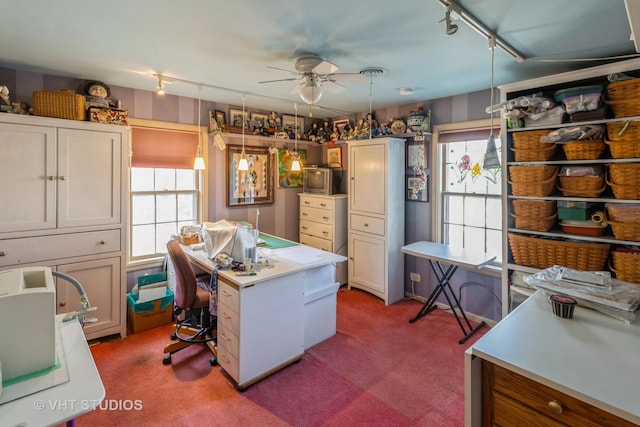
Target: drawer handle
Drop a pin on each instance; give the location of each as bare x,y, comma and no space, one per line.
324,205
225,293
62,304
225,315
304,227
62,178
366,224
307,203
555,406
224,358
2,253
224,337
304,214
326,233
326,218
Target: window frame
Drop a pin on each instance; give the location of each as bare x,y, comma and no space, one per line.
201,185
440,174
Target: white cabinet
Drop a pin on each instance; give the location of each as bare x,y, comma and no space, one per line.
548,86
323,225
376,217
64,199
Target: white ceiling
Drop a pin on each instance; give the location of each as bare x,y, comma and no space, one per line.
231,44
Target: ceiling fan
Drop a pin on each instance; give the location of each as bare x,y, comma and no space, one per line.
316,74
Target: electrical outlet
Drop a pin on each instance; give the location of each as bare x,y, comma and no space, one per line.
415,277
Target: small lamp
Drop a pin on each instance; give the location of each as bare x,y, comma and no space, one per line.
295,165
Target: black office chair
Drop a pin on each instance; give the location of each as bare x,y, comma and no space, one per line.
192,298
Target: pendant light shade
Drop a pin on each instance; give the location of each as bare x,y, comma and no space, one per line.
243,165
295,165
491,159
198,163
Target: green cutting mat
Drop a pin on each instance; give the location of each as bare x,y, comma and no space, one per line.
273,242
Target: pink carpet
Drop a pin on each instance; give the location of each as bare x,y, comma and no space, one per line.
379,370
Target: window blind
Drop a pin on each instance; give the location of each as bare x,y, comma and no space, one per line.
449,136
161,148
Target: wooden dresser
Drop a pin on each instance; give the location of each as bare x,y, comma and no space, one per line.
534,368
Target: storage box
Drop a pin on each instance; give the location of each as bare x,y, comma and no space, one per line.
150,314
108,115
581,214
61,104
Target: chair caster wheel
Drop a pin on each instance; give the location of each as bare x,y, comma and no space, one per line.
174,336
166,360
213,361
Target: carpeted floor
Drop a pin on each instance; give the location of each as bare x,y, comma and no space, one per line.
378,370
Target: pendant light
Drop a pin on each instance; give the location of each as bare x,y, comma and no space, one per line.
198,163
242,164
295,165
491,160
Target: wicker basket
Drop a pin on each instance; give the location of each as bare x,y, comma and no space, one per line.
626,265
61,104
584,150
532,173
534,155
540,188
581,186
625,89
540,208
625,108
624,173
623,131
544,253
624,149
529,140
534,223
623,213
624,191
625,230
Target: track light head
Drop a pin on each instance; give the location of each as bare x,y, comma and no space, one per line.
451,28
160,88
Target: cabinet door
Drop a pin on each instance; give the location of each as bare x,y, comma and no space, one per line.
101,282
367,263
28,161
368,177
88,178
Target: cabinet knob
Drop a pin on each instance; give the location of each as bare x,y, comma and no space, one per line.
62,304
324,205
62,178
51,177
2,253
326,218
304,214
366,224
555,406
102,242
306,203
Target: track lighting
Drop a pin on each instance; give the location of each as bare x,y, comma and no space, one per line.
160,88
451,28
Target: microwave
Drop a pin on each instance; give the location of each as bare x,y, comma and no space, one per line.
320,180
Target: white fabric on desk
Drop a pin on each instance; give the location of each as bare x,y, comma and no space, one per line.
224,237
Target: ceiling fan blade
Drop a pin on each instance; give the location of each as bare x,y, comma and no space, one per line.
280,80
347,77
332,86
325,67
295,73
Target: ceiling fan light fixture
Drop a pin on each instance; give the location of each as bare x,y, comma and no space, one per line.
310,91
405,91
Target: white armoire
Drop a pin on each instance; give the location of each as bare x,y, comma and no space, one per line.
64,206
376,217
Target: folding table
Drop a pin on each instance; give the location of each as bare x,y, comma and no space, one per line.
439,254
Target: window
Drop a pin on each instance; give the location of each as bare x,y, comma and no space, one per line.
470,215
166,192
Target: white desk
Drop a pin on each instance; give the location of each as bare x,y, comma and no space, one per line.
266,321
439,254
64,402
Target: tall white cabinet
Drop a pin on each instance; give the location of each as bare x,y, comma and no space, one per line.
64,206
323,225
376,217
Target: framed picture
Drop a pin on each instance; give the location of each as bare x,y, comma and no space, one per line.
416,156
221,118
253,186
235,117
334,157
418,188
286,177
341,123
289,122
259,118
